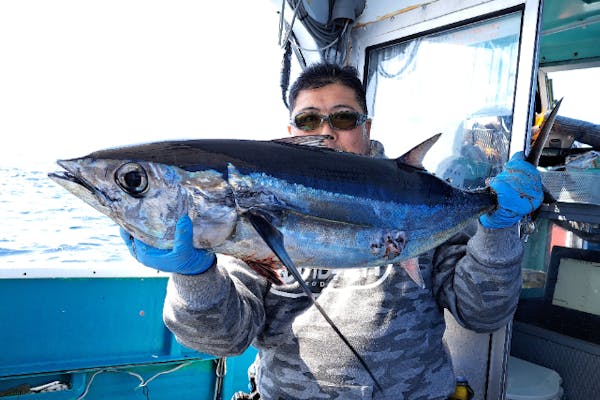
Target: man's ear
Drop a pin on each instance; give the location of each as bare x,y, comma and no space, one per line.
367,129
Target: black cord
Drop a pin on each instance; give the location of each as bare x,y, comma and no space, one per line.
286,66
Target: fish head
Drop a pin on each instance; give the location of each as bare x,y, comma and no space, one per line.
147,198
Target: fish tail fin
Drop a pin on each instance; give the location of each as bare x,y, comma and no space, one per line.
536,148
274,239
533,157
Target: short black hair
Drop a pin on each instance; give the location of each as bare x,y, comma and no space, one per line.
318,75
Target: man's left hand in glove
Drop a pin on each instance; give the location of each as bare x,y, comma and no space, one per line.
519,192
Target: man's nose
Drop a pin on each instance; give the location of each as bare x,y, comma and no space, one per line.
326,129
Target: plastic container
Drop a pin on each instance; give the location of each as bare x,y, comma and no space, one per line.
528,381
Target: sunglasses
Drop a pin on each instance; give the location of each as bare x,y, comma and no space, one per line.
341,120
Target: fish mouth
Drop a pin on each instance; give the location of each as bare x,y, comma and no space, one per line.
62,176
69,178
74,183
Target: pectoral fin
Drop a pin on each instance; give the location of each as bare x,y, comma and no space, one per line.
411,267
274,239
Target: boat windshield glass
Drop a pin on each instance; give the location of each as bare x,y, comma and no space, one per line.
459,82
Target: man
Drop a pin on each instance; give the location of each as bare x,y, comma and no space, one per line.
222,307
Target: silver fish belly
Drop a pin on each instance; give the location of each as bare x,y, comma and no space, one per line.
323,229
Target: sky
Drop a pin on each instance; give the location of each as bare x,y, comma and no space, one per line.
80,75
579,87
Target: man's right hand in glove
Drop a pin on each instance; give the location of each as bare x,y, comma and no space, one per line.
183,258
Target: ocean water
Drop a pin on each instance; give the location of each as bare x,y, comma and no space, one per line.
47,232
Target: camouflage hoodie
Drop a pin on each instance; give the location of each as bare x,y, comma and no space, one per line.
394,324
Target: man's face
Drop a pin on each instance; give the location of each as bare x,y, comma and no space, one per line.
326,100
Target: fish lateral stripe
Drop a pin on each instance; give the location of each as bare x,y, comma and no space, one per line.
311,167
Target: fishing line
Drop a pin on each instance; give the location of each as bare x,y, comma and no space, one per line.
143,383
274,239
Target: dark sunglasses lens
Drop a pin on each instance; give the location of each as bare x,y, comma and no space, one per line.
307,121
344,120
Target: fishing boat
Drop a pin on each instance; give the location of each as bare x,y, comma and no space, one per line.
480,71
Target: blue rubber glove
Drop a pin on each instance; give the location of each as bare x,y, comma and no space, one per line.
184,258
519,191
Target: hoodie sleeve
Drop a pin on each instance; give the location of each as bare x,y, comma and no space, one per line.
218,312
478,278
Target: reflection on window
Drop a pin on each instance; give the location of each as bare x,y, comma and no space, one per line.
460,83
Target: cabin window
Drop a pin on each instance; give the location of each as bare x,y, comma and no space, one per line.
459,82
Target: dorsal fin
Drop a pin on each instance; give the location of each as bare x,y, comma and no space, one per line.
317,141
414,157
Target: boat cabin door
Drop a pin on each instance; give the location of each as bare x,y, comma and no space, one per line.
463,68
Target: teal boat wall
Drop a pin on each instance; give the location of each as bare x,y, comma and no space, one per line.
194,380
63,324
102,336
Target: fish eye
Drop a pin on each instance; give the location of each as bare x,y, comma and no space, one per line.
132,178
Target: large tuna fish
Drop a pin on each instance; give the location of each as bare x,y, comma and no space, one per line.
334,209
